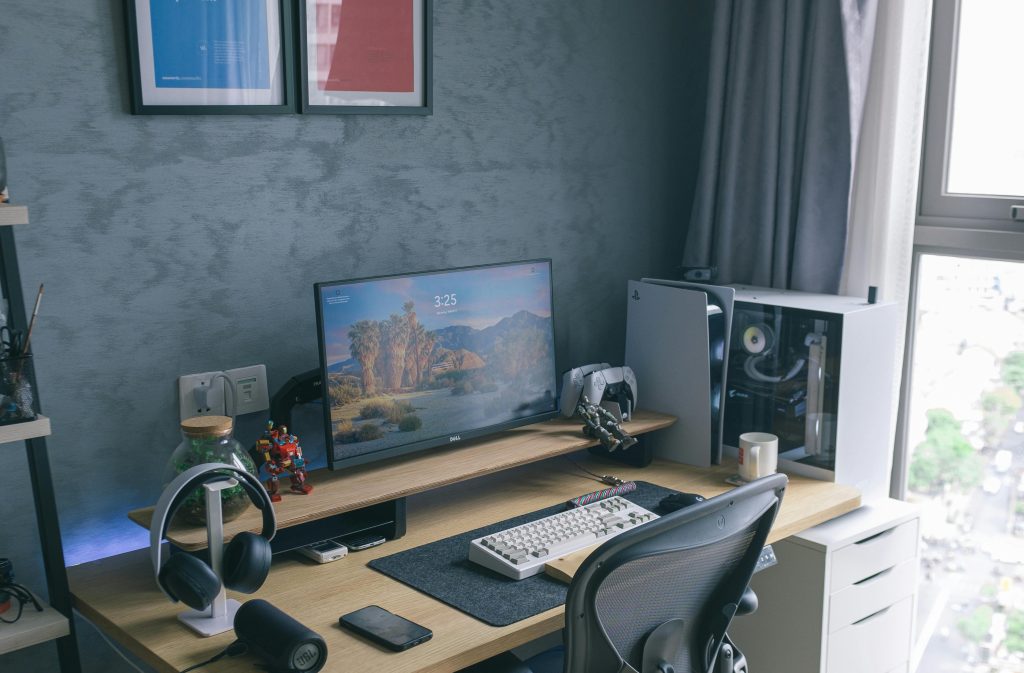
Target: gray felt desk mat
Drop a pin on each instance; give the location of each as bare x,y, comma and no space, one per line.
442,569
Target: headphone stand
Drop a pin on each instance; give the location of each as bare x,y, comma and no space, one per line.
220,616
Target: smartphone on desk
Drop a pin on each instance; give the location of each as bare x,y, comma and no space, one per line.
385,628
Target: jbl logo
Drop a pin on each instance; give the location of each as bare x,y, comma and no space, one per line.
306,657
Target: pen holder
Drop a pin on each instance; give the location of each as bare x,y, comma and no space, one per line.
16,396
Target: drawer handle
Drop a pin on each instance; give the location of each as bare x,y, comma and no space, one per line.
875,536
873,577
872,616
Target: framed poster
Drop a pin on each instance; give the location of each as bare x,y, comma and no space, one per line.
365,56
211,56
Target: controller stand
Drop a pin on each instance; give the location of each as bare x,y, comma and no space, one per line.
638,455
220,616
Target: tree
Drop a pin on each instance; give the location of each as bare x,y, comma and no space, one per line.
1000,407
365,347
1015,632
975,626
395,340
1013,371
425,349
417,334
944,457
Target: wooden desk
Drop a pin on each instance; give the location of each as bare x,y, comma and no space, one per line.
365,485
120,596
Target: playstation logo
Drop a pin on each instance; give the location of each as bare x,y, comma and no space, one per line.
636,295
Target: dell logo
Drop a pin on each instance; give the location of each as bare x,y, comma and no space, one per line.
454,438
636,295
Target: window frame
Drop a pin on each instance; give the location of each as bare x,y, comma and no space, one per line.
938,208
951,225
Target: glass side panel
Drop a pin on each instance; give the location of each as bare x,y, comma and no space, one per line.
784,379
986,154
966,442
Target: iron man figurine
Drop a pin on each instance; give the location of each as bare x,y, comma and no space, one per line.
282,454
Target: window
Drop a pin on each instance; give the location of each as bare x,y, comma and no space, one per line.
974,145
966,440
962,416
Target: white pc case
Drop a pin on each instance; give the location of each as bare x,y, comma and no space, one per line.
818,371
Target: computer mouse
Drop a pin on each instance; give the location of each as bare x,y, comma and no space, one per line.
676,501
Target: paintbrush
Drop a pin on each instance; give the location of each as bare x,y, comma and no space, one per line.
32,322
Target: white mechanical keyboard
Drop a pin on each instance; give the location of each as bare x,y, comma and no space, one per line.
522,551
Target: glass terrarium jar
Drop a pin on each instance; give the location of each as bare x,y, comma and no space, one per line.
207,439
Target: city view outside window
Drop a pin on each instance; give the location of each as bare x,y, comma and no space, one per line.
966,443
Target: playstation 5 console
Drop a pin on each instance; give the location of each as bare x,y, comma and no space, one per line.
676,344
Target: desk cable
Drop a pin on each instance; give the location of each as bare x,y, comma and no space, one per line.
608,479
235,649
615,485
201,393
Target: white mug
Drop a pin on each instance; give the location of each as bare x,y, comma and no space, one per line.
759,455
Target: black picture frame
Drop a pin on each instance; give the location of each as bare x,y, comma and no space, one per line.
426,53
289,92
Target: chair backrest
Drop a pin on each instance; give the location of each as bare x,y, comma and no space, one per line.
691,565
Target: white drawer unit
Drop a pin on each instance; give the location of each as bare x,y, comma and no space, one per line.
876,643
841,599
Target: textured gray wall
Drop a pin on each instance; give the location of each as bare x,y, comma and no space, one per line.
172,245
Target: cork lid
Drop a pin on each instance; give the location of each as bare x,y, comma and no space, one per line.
207,426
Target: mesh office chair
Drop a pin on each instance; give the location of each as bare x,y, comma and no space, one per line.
658,598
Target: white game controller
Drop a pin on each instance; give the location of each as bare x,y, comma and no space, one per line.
573,384
603,397
620,385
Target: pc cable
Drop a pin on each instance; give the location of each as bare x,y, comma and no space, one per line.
750,369
617,487
235,649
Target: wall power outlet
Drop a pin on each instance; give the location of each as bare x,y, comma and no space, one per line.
191,391
205,394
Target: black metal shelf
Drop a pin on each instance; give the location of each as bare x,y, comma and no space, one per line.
33,434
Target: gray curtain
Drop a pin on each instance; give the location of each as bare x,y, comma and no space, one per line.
786,86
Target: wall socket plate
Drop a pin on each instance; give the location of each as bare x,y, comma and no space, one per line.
251,389
189,406
250,384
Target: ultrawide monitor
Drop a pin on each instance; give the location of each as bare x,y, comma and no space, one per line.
417,361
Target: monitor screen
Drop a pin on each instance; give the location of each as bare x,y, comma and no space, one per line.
423,360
